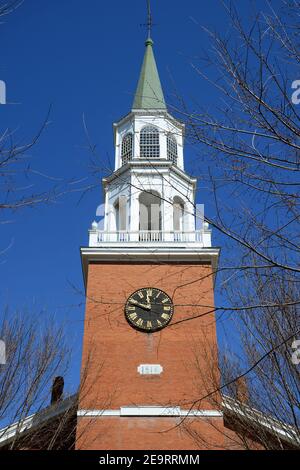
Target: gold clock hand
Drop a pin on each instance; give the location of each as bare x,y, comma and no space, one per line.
135,302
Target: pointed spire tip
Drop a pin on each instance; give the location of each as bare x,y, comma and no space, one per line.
149,93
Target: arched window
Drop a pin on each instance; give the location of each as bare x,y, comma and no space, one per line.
172,149
149,142
126,150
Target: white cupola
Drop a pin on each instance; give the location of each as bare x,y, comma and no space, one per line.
149,132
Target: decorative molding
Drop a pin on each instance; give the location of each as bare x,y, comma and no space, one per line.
186,252
151,112
141,163
167,253
144,411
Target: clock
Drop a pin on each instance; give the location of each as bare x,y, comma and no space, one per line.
149,309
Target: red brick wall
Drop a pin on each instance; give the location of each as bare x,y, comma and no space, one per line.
113,350
149,434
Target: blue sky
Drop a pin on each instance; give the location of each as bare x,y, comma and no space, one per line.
83,57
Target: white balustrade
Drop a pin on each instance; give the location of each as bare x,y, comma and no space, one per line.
148,236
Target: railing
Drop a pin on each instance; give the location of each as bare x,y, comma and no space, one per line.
150,236
146,236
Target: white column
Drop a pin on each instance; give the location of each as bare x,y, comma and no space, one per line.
134,211
180,151
136,140
106,213
168,216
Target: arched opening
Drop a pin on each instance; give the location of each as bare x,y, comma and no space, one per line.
149,142
120,212
178,217
126,150
150,222
172,151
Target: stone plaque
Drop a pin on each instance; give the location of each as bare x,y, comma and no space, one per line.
150,369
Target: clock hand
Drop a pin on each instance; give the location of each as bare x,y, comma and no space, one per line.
135,302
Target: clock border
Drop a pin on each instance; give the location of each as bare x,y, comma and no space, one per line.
143,330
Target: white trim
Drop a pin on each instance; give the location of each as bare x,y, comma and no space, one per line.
284,430
36,419
146,165
169,251
149,112
20,426
127,253
158,411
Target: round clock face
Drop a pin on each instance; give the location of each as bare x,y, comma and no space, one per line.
149,309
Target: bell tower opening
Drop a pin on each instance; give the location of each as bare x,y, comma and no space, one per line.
150,216
120,212
178,214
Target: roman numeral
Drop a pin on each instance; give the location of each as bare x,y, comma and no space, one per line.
149,292
165,300
131,308
149,324
165,316
139,322
167,308
141,295
133,316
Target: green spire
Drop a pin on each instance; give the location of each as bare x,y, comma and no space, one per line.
149,94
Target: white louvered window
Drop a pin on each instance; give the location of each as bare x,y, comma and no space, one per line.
149,142
172,149
126,151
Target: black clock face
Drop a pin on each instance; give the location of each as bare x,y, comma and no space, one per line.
149,309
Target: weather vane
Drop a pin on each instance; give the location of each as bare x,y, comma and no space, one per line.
149,25
149,20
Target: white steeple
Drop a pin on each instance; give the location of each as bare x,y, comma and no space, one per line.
149,197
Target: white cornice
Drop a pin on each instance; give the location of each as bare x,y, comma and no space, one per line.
149,165
150,112
161,253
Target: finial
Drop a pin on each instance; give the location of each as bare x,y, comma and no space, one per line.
149,19
149,25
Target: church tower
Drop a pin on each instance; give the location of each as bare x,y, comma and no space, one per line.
149,333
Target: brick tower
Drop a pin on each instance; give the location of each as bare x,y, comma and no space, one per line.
149,279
